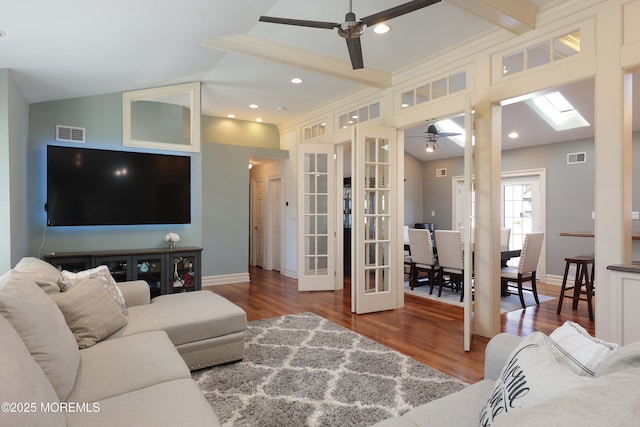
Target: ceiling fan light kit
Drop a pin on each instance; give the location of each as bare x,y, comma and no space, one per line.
352,28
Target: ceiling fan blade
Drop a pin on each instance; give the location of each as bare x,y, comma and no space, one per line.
299,22
394,12
355,53
448,134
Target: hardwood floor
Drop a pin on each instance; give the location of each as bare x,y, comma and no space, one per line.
426,330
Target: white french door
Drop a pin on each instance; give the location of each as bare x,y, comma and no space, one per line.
316,217
376,282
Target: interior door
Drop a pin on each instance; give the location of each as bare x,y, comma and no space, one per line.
277,229
258,223
377,285
316,217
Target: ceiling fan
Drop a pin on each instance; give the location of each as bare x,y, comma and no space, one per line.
432,135
353,28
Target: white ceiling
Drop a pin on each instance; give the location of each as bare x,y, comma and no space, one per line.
70,48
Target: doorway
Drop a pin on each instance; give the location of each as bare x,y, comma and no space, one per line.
266,220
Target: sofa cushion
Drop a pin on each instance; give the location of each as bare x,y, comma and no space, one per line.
187,317
101,272
90,311
125,364
23,382
583,353
453,410
611,400
172,403
42,327
43,273
534,372
625,357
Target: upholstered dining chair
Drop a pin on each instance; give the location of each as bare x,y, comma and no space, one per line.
527,267
505,236
422,258
450,259
408,265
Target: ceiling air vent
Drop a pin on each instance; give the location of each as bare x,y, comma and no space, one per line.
441,172
575,158
69,133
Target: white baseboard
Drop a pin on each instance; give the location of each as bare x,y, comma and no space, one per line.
553,279
293,274
225,279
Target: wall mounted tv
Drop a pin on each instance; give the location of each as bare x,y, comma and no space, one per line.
104,187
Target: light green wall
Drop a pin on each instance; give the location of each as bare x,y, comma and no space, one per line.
220,184
101,116
160,122
225,198
413,190
240,132
14,118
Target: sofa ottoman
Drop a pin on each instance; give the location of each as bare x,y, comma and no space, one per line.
206,328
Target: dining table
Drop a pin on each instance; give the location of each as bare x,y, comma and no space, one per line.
634,235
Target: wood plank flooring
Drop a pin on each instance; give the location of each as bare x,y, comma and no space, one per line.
428,331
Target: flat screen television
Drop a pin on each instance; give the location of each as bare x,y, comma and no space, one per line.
103,187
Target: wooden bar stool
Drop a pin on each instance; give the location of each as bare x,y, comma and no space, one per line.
584,277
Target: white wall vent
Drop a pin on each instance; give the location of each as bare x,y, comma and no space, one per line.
575,158
69,133
441,172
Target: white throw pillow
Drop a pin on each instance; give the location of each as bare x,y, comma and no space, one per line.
583,353
532,374
69,279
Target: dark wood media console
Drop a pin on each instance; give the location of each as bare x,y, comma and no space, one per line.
165,270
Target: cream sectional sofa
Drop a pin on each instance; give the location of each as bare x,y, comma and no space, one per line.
554,394
134,376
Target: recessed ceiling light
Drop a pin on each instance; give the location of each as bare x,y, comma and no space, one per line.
296,80
259,120
254,106
231,116
381,29
405,105
281,108
513,135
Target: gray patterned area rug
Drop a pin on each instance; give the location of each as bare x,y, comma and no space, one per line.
303,370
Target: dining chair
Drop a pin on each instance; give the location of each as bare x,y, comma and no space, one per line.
450,259
527,267
505,235
407,253
422,258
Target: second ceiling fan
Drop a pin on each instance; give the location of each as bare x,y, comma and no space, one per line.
353,28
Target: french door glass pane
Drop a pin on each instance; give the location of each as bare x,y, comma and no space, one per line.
316,206
323,223
322,205
377,215
309,224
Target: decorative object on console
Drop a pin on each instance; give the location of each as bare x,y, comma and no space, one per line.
172,238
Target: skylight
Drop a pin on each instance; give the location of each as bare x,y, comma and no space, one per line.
448,125
557,111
